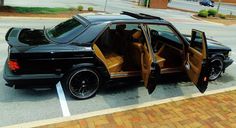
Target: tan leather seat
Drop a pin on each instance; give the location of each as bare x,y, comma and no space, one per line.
138,49
135,54
135,50
113,61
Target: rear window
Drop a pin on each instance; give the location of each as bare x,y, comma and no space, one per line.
65,31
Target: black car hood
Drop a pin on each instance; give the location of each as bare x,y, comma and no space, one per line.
212,44
215,45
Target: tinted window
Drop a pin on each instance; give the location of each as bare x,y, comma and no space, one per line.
65,31
127,26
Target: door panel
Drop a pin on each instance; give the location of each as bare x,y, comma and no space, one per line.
149,66
146,62
196,63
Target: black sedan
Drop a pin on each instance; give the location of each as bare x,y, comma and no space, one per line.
209,3
86,51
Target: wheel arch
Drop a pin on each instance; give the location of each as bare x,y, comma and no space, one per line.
217,55
103,73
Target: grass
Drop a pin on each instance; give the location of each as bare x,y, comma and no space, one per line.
40,10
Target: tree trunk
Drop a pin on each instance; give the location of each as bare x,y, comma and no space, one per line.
1,2
218,7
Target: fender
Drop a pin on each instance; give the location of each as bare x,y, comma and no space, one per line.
101,70
217,54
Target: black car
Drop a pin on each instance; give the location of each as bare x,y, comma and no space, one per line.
209,3
86,51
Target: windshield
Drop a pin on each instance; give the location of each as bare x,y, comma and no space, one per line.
65,31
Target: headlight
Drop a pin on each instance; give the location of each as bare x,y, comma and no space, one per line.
230,53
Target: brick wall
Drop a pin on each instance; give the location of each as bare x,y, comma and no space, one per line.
227,1
162,4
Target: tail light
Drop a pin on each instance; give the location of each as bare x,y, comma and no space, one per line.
13,65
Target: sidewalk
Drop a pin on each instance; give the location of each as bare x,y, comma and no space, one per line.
212,111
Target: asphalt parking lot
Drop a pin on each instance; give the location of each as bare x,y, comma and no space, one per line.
18,106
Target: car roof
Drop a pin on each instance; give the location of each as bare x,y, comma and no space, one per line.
107,17
124,16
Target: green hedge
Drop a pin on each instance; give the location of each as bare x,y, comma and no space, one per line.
212,12
203,13
80,8
90,9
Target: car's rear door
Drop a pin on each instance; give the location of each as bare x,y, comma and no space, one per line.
150,68
196,64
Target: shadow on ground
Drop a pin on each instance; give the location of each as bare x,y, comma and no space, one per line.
9,94
120,86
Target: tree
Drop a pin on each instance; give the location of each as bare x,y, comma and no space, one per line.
1,2
218,7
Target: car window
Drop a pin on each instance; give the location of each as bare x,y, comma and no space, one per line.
118,37
65,31
163,32
127,26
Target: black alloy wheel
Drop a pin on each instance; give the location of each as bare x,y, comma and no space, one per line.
83,83
216,68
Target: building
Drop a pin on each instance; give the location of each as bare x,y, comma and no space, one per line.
226,1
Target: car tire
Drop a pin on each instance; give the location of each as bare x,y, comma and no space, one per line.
216,68
82,83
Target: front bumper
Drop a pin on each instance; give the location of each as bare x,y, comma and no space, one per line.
228,61
30,80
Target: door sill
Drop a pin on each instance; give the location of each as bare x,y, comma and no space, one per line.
171,70
124,74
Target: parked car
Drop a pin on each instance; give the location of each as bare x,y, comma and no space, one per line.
209,3
86,51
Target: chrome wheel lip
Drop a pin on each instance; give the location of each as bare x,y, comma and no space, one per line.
215,74
82,96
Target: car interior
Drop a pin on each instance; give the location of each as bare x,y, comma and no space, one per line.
167,46
121,47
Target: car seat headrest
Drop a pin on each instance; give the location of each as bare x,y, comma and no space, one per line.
120,27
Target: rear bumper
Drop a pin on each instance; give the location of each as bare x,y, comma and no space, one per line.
30,80
227,62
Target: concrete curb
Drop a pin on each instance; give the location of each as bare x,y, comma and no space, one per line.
183,10
113,110
206,21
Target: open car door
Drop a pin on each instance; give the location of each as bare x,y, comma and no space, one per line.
196,64
150,69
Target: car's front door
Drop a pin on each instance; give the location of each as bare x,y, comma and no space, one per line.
196,64
150,68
